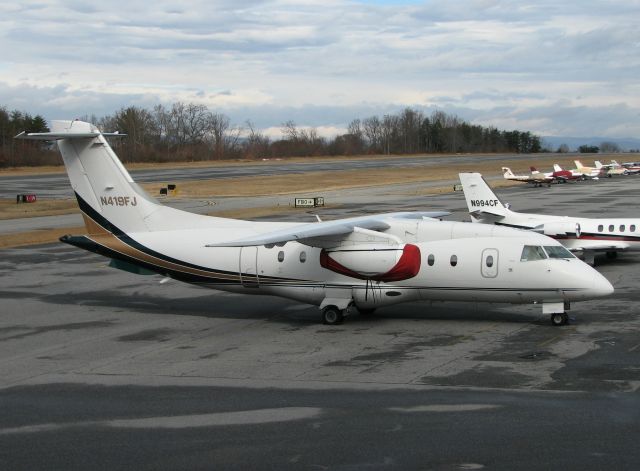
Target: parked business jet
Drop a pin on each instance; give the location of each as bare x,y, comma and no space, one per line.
365,262
536,178
586,235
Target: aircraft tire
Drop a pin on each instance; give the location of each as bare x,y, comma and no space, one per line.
559,318
331,315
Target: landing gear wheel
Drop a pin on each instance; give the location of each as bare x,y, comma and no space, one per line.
366,311
331,315
559,318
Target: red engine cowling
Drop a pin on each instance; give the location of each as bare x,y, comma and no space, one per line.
379,263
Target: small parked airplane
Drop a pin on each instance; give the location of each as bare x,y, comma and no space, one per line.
593,172
536,178
558,175
365,262
612,168
570,174
589,236
633,167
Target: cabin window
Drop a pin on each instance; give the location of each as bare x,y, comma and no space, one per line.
600,228
281,256
454,260
622,228
531,253
489,261
303,256
611,228
430,260
632,228
557,251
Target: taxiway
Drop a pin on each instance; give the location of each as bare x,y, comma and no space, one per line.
101,369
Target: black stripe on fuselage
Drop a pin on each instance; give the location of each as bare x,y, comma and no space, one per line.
126,239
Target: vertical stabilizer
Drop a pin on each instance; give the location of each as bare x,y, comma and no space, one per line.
481,200
507,173
108,197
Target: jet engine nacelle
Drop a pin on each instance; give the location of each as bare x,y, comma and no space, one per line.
379,263
559,228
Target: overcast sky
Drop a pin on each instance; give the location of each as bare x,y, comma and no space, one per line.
556,68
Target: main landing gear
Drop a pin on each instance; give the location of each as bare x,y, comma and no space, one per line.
332,315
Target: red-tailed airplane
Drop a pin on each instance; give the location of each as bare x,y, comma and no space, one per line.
558,175
365,262
536,178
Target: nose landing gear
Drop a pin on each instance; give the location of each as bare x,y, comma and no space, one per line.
559,318
557,311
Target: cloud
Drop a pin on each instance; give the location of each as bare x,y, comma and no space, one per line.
544,66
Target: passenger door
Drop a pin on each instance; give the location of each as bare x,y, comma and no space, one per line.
249,267
489,267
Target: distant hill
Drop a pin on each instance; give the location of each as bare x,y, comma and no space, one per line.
625,144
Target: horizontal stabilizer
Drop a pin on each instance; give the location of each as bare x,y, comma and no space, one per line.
54,136
305,233
486,214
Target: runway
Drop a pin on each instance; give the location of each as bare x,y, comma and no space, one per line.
101,369
57,185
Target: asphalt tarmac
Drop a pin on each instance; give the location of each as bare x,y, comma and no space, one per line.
101,369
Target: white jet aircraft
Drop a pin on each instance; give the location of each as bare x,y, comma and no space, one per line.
365,262
586,235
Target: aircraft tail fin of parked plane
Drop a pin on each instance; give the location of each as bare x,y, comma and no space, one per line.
110,200
507,173
481,200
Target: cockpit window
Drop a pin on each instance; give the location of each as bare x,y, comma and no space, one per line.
532,252
558,251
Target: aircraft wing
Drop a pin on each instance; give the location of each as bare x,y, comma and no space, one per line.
602,246
316,233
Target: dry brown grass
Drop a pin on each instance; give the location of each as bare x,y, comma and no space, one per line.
10,210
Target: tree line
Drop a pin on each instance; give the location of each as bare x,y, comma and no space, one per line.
190,132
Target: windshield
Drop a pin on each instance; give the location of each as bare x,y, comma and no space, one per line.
558,251
532,252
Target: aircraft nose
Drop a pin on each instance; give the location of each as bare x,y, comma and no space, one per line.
601,286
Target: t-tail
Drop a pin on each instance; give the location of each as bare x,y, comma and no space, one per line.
481,200
110,201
